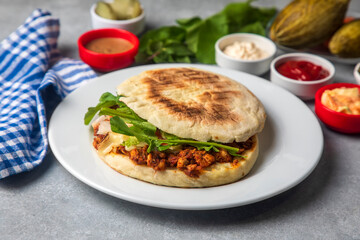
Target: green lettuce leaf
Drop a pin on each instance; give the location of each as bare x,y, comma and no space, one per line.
106,100
132,141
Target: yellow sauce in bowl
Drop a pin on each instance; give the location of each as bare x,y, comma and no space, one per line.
344,100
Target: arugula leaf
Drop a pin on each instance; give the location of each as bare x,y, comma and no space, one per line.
206,148
119,126
106,100
115,112
199,144
146,127
235,154
131,118
164,146
169,136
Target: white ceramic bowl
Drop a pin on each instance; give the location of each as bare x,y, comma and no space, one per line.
356,73
134,25
303,89
256,67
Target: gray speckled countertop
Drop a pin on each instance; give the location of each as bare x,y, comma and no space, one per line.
50,203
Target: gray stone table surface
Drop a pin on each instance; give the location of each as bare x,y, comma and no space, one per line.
50,203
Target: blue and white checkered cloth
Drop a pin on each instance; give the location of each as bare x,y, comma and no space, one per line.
32,75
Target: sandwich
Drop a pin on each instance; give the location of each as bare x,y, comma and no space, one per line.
180,127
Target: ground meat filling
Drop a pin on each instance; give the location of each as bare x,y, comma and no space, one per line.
189,160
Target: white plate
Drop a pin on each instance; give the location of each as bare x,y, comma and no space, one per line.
290,147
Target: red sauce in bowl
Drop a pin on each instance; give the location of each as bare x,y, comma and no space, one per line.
302,70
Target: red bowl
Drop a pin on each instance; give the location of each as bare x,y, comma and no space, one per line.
337,121
107,62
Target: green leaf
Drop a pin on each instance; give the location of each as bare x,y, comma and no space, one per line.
122,112
178,49
170,59
202,145
106,100
171,41
207,148
235,154
141,57
131,117
256,28
189,23
162,57
169,136
161,34
108,97
192,26
119,126
263,15
147,127
238,15
184,59
164,146
153,47
114,112
151,146
140,134
173,32
209,32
